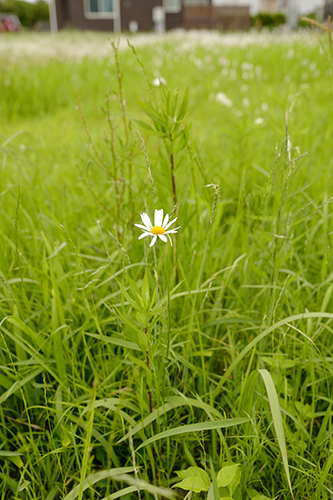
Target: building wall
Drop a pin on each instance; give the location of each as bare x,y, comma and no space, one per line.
273,6
71,13
174,21
61,9
222,18
253,4
139,11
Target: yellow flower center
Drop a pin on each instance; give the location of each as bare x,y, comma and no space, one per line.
157,230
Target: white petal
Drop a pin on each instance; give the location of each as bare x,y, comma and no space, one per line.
153,241
144,234
158,217
169,239
166,219
171,222
163,238
142,227
146,220
172,230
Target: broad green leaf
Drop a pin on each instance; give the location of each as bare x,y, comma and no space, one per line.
193,483
233,487
194,479
226,475
261,497
194,472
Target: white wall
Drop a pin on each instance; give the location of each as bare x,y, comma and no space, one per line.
307,6
302,6
252,3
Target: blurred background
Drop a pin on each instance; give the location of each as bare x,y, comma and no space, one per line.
158,15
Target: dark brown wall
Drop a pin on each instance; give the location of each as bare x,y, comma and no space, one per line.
140,11
209,17
71,13
197,16
173,21
61,13
232,18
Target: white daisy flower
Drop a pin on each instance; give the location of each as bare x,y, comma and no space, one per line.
159,229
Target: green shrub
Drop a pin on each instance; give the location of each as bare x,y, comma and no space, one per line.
305,24
27,13
269,20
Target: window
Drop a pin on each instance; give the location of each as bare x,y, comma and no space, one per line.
196,2
99,9
172,6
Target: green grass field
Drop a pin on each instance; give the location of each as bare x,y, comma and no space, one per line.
127,369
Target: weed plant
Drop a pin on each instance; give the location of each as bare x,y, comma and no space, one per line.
202,369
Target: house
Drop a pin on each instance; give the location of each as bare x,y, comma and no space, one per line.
148,15
273,5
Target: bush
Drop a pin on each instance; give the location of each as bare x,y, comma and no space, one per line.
28,13
305,24
268,20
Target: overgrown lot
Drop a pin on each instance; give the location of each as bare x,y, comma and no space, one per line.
122,364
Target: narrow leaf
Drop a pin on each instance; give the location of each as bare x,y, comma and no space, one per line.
277,420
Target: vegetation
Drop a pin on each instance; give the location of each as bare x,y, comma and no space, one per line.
305,24
268,20
202,369
28,13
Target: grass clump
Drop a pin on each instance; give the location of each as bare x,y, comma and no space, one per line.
129,370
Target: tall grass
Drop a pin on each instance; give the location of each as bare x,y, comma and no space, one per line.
126,368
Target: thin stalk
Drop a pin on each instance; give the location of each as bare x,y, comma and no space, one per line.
151,180
120,86
114,160
173,181
151,411
92,144
149,388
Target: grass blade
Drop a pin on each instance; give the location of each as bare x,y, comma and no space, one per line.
203,426
277,420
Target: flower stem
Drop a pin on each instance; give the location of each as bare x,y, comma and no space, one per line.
173,181
151,411
176,210
149,389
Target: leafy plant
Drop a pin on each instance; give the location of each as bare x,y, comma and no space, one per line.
227,479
